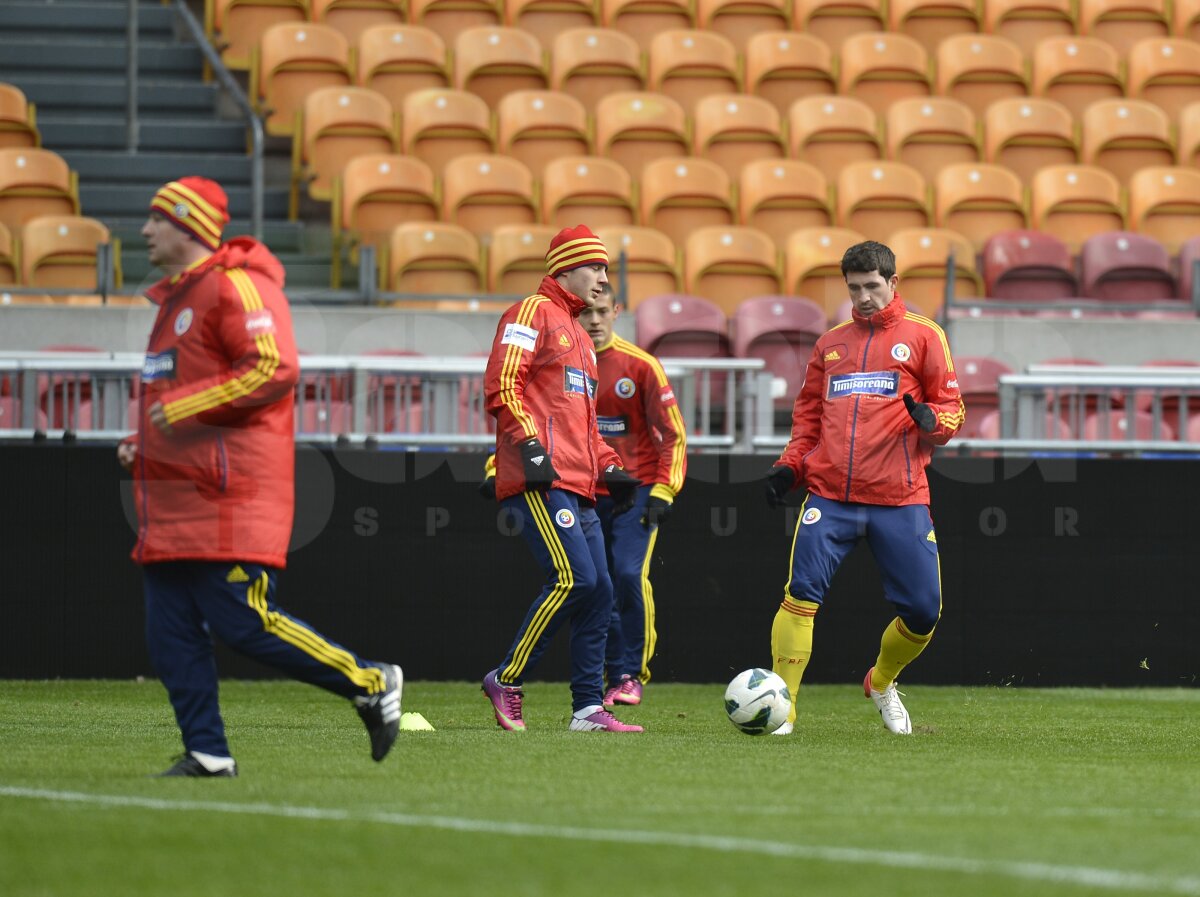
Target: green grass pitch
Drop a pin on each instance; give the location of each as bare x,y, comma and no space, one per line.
999,792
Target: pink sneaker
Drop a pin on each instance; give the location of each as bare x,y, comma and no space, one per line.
600,721
630,691
506,702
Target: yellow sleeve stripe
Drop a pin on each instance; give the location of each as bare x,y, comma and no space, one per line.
941,335
678,451
247,383
842,324
512,363
953,419
637,352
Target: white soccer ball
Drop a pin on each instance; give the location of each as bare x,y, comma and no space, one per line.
757,701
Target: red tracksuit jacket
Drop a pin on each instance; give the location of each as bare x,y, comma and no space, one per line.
639,417
541,381
222,361
852,438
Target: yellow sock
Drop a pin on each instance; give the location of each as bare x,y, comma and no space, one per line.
897,649
791,644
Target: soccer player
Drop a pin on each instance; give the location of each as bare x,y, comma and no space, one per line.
880,392
639,417
213,467
541,387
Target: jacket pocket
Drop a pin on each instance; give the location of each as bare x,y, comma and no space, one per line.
908,478
222,465
550,436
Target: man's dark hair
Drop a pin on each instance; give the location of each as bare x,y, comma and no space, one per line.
607,289
863,258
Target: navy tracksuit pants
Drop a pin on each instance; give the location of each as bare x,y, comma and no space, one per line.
190,602
629,546
564,534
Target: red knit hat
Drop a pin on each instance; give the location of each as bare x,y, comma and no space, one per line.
573,247
196,206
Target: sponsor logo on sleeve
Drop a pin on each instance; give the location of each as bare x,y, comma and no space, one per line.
952,383
612,426
183,321
901,352
159,366
260,322
564,518
520,336
870,383
668,395
577,382
626,388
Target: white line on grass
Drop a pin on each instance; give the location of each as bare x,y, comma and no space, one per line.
1083,876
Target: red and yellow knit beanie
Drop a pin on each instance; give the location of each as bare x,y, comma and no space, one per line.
195,205
573,247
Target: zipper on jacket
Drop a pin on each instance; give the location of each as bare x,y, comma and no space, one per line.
854,423
222,464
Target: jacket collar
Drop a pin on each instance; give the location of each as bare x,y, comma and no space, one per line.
567,301
888,316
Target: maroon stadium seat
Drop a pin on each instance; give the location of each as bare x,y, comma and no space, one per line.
1189,254
1052,428
781,330
1121,266
978,381
1027,265
1118,426
676,325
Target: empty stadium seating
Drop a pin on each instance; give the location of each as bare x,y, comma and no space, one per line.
782,66
643,262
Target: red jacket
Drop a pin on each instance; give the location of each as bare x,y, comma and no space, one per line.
639,417
852,438
222,361
541,381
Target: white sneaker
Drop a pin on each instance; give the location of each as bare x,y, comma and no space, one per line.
890,707
785,729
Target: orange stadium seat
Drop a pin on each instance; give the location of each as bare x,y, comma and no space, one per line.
35,182
587,188
781,330
830,132
931,21
8,257
979,385
339,123
813,264
538,126
481,192
397,60
1189,135
293,60
643,19
1073,202
635,128
546,19
1029,134
436,258
237,26
1076,71
353,17
978,200
832,21
1122,23
930,133
1029,266
778,196
59,251
1185,21
1121,266
741,20
492,61
643,262
782,66
680,195
440,124
880,68
1164,71
690,65
591,63
449,17
922,261
881,197
728,264
516,257
1026,22
1164,203
1125,135
734,130
682,326
978,69
379,191
18,121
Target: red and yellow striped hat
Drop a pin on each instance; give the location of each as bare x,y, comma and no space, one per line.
196,206
573,247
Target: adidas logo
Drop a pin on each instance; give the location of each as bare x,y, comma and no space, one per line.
931,538
537,459
833,355
563,341
237,574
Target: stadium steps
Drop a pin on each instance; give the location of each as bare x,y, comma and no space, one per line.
69,59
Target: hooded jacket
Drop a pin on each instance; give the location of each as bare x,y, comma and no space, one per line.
222,362
852,437
541,381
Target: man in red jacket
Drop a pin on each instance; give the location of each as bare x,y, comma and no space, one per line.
541,388
213,466
880,392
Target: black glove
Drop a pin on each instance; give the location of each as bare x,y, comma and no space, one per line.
779,483
921,413
487,489
657,510
622,487
539,472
